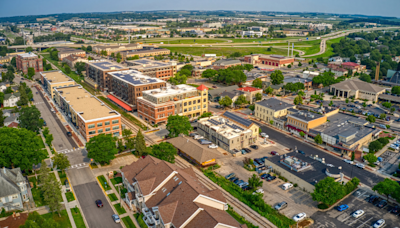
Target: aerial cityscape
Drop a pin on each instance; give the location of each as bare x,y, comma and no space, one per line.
230,115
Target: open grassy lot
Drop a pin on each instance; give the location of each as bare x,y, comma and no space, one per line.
103,182
70,196
139,218
112,197
329,49
226,50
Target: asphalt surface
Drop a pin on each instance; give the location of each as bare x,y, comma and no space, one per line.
366,177
88,191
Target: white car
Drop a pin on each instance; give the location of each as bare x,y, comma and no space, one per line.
361,166
259,191
198,137
330,165
263,134
213,146
379,223
358,213
348,161
394,147
299,217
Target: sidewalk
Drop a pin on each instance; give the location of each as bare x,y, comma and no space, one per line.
66,204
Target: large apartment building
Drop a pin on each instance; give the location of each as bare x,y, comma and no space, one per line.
144,53
229,131
171,197
65,52
127,86
157,104
97,71
268,60
55,79
116,48
26,60
89,115
155,69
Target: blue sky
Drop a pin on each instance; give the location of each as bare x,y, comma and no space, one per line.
40,7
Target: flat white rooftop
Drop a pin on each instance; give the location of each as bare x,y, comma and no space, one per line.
170,90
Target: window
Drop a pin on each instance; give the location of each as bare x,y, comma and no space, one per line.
198,107
190,103
115,127
92,132
99,124
204,100
185,110
108,129
185,104
115,121
15,196
198,101
91,126
100,131
204,106
194,102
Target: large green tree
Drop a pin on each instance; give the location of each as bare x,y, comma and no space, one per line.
225,101
31,72
29,118
241,100
20,147
140,144
318,139
79,67
24,99
164,151
258,96
387,187
37,221
277,77
209,73
178,79
255,182
129,140
51,189
61,161
178,125
257,83
371,158
371,119
269,90
102,148
375,146
328,191
298,100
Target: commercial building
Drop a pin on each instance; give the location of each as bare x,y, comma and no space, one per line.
357,89
194,151
225,63
268,60
153,68
258,28
126,86
168,196
26,60
157,104
273,109
303,121
216,94
71,60
293,32
144,53
116,48
87,113
229,131
212,25
55,79
306,82
251,33
5,59
65,52
14,189
96,71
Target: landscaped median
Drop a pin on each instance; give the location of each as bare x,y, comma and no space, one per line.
250,200
103,182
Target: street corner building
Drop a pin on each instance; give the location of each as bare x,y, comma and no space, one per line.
171,197
27,60
55,79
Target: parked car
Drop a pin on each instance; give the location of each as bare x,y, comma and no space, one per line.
274,153
382,204
198,137
330,165
287,186
193,134
237,181
213,146
301,152
265,176
373,199
99,203
116,218
44,123
233,179
243,151
348,161
382,126
247,150
229,176
343,108
69,133
361,166
395,210
342,207
394,146
259,191
254,147
380,223
356,102
204,142
358,213
281,205
245,188
299,217
271,178
263,134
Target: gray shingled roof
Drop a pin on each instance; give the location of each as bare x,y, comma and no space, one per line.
357,84
8,95
275,104
8,180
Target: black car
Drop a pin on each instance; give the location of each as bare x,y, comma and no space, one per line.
372,199
254,147
271,178
382,204
247,150
395,210
69,134
233,179
245,188
99,203
301,152
265,176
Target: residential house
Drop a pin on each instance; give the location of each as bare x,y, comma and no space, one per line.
11,119
14,189
11,99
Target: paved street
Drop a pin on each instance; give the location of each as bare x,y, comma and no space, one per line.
366,177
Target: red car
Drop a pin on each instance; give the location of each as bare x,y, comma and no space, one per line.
274,153
99,203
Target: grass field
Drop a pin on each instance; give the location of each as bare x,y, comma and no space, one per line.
42,146
103,181
329,49
128,222
112,197
76,213
63,221
226,50
116,180
119,209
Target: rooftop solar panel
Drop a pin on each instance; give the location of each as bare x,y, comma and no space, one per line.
238,119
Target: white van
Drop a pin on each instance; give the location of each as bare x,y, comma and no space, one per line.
287,186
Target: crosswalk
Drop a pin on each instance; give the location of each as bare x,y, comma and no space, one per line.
66,151
81,165
36,103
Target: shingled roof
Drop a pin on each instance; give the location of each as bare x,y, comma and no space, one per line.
357,84
8,181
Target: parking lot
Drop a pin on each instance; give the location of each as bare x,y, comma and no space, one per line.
374,110
358,201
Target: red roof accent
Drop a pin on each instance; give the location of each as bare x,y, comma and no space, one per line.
248,89
350,64
119,102
202,87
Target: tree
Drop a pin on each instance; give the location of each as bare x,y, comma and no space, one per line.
178,125
102,148
188,67
29,118
289,66
226,101
331,103
178,79
365,78
258,96
204,115
257,83
51,189
387,104
328,191
112,55
129,141
28,49
252,107
302,134
140,144
387,187
248,67
79,67
241,100
120,145
347,100
300,64
20,147
318,139
375,146
164,151
67,69
396,90
269,90
271,122
364,104
89,48
382,116
2,118
185,72
14,62
119,56
298,100
371,158
49,139
23,100
61,161
255,182
31,72
45,131
371,119
277,77
315,65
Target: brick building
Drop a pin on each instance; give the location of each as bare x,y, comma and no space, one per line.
116,48
55,79
88,114
225,63
71,60
144,53
97,71
65,52
268,60
127,86
26,60
157,104
153,68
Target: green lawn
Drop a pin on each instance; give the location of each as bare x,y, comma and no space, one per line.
70,196
139,218
128,222
37,193
76,213
198,51
329,49
63,177
116,180
103,180
189,41
62,221
112,197
119,209
42,146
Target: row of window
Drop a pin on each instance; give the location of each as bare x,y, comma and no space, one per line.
194,108
101,124
99,131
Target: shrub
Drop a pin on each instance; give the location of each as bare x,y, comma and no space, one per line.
322,206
